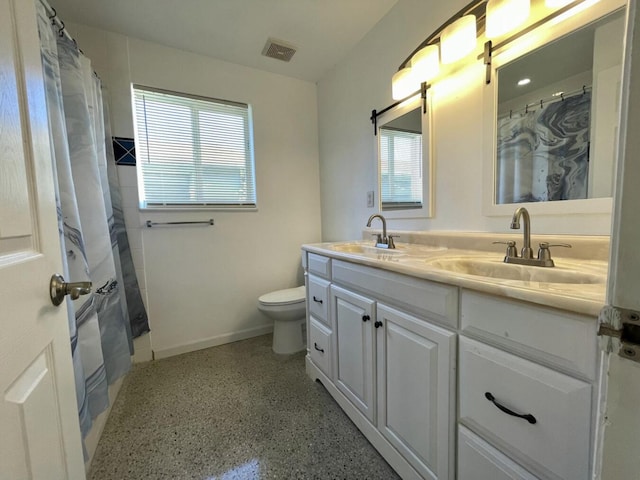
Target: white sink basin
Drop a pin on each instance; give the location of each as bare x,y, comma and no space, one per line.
484,267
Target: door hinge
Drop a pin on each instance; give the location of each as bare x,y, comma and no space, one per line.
619,328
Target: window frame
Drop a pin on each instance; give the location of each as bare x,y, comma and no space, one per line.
144,205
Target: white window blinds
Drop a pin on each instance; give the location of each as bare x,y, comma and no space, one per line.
193,151
401,169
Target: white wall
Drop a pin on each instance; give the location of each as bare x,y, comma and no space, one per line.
202,283
361,83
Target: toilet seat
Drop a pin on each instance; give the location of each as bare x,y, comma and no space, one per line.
288,296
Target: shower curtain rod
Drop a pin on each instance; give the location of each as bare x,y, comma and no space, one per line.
559,97
55,20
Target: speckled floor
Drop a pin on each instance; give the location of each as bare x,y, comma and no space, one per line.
235,412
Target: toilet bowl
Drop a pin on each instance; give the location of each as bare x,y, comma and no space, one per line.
287,309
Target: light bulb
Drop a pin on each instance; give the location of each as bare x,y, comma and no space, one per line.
425,64
557,3
403,84
505,15
458,39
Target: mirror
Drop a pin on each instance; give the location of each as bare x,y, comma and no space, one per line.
557,114
404,162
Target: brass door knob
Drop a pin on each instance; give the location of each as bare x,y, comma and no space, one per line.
58,289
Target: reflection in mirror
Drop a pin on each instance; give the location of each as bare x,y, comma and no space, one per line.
557,117
400,152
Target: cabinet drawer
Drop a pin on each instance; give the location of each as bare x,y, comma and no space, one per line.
318,301
557,445
477,460
432,300
319,265
320,346
542,334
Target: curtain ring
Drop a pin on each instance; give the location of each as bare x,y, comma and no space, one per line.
541,105
584,89
510,113
61,29
52,17
526,109
562,96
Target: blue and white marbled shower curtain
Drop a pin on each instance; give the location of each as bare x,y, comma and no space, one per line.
543,154
98,323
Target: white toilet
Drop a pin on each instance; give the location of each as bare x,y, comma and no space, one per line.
288,310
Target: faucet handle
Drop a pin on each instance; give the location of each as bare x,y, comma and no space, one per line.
390,241
512,251
378,237
545,254
547,245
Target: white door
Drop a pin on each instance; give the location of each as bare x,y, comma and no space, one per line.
40,436
354,358
619,419
416,381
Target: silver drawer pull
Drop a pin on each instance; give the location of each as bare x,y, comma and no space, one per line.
528,417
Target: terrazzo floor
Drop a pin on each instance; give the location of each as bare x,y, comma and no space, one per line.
234,412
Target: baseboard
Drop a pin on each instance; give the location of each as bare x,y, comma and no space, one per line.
97,427
388,452
212,341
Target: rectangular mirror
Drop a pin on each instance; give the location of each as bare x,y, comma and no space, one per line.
554,117
404,162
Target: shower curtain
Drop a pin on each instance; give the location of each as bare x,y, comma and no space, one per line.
101,335
543,153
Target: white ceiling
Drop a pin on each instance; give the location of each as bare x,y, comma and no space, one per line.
236,30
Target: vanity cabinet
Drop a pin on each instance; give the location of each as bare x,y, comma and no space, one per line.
414,362
394,367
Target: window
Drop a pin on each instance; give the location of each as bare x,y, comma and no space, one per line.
400,168
193,151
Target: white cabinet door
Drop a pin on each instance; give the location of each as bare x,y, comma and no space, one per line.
416,381
354,317
39,430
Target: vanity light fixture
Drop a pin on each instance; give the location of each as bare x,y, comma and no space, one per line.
524,81
504,16
458,39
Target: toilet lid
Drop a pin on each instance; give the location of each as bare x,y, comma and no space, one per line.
284,297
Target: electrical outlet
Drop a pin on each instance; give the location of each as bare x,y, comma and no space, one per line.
370,195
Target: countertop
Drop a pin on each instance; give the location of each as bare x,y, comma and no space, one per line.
422,260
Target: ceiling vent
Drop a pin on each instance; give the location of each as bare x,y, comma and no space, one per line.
278,49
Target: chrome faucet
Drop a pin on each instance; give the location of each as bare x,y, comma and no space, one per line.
527,252
382,241
544,254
